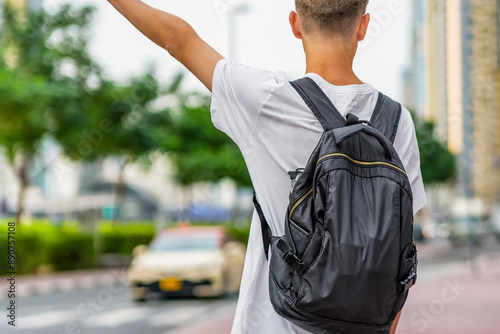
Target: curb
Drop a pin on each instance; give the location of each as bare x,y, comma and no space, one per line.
63,282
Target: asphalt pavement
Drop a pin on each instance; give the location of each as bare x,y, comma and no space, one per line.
101,310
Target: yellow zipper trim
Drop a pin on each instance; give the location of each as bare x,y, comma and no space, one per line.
300,201
367,163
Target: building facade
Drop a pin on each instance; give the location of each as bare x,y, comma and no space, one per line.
414,79
436,65
484,98
462,91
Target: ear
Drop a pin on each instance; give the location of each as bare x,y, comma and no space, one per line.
294,23
363,27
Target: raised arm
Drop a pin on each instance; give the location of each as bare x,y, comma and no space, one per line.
174,35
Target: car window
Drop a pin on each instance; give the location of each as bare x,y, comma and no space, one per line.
176,242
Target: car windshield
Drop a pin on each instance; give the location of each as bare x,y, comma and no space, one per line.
179,242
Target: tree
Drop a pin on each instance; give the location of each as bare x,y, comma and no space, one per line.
52,86
437,163
32,78
118,122
22,125
200,152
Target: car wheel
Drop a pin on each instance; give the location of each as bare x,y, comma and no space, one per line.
229,289
138,293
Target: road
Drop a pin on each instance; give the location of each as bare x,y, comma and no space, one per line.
94,311
446,299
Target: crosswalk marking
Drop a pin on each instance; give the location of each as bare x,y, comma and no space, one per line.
118,317
45,319
168,316
176,316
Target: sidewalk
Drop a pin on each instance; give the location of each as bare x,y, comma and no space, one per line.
458,303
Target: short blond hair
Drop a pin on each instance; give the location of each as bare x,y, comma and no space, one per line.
330,17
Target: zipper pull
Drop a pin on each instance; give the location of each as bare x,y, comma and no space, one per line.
294,176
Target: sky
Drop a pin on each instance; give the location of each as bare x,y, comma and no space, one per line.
264,40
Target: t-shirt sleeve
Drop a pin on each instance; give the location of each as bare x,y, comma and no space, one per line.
407,147
238,93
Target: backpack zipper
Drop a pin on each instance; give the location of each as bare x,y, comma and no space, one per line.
364,163
302,199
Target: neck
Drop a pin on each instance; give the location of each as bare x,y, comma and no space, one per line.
332,61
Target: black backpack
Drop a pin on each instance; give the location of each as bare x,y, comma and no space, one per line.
347,258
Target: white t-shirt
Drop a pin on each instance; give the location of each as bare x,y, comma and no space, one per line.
276,133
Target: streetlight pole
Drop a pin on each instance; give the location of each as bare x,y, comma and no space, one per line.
232,28
232,34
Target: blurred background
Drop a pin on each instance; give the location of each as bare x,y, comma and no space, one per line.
132,211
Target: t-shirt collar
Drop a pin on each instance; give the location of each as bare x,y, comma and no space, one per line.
354,88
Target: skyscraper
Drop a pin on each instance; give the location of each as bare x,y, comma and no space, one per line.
498,81
34,4
436,65
462,94
483,40
414,96
16,3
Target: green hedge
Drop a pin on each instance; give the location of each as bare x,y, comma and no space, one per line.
73,251
236,232
239,233
66,247
44,245
123,238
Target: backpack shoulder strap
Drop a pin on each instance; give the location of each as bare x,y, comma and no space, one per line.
265,229
319,103
386,116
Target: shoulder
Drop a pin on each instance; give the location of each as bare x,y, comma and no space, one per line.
248,77
406,125
405,142
239,86
238,94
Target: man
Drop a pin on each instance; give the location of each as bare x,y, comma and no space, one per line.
273,127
